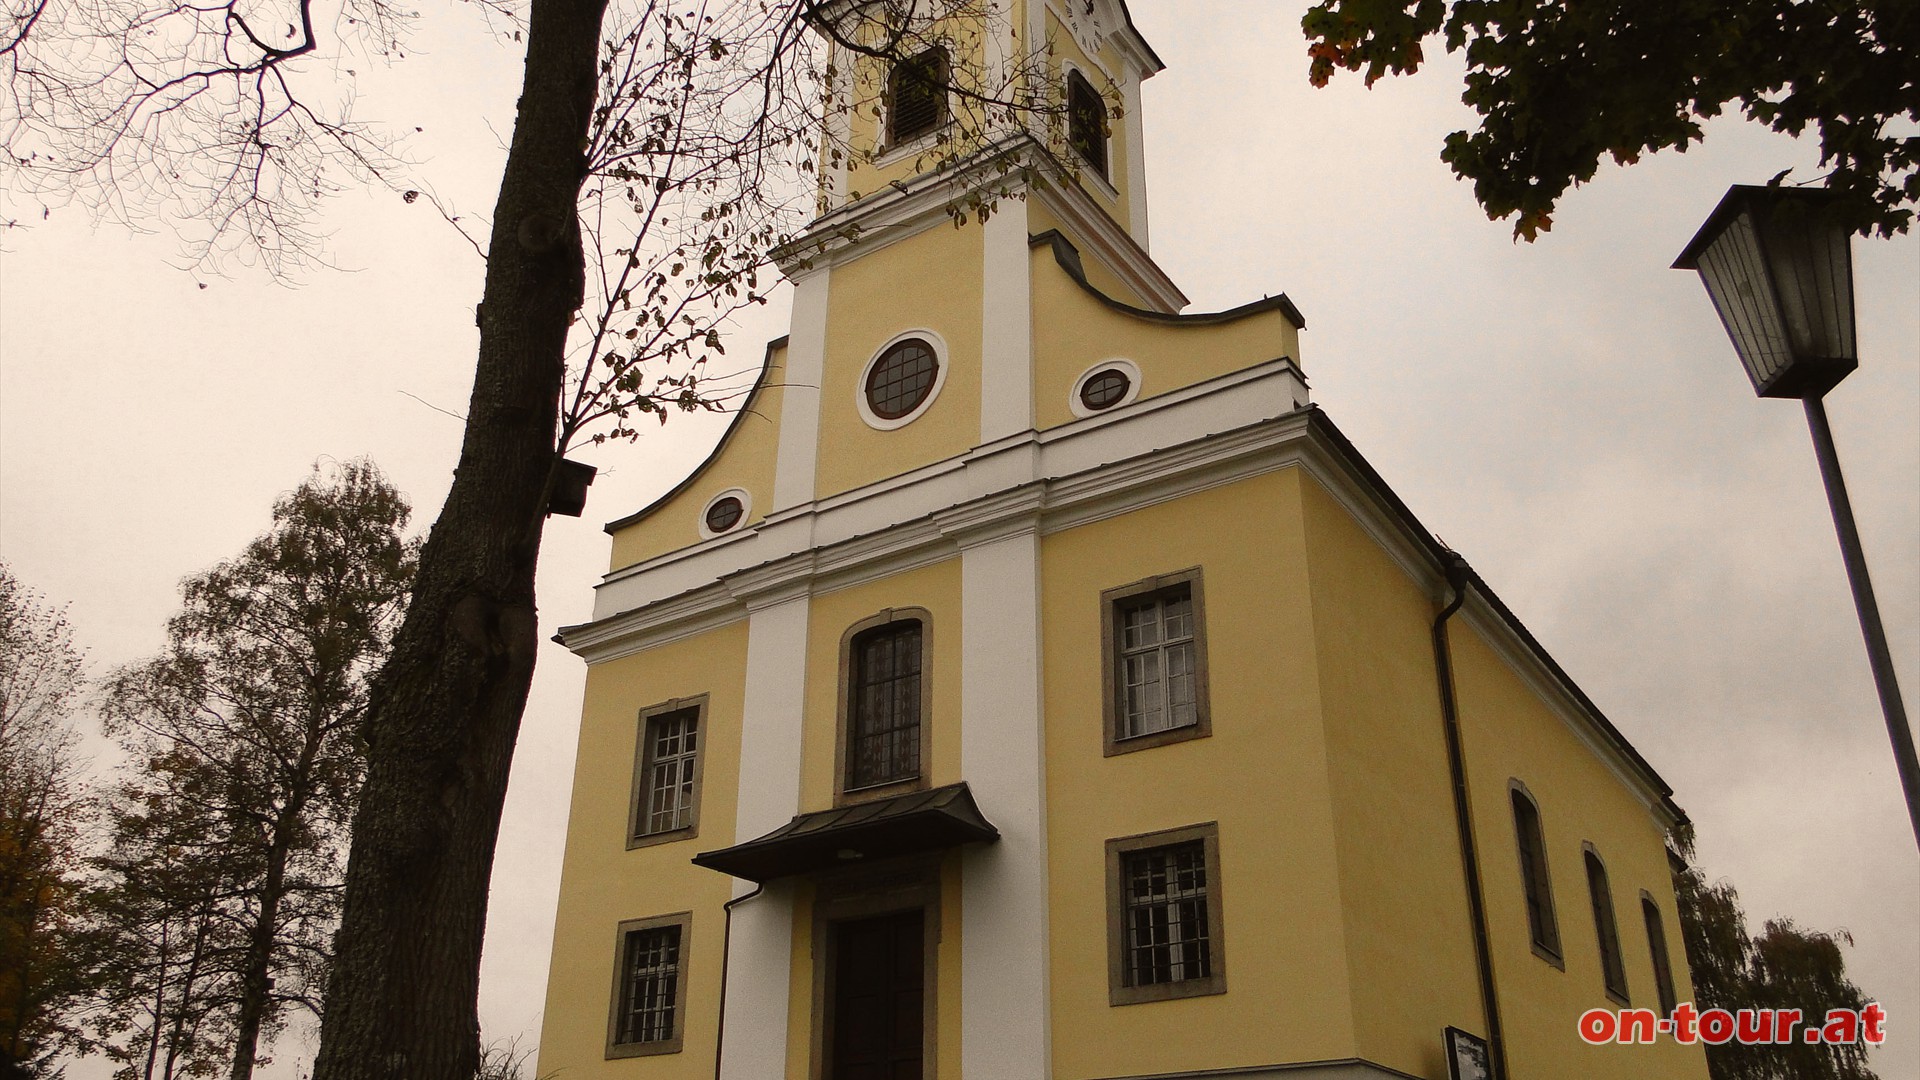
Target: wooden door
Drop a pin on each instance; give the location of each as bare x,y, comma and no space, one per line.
879,977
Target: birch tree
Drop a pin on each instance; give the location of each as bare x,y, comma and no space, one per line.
244,735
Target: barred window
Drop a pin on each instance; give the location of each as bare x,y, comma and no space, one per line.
666,784
1156,662
649,994
1613,972
917,96
1087,122
884,705
1534,882
1165,915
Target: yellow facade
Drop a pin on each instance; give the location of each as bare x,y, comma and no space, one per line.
1007,518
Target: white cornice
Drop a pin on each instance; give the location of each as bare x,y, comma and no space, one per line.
1110,243
1228,429
1020,168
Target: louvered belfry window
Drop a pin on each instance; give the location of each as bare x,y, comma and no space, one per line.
1087,122
916,96
883,699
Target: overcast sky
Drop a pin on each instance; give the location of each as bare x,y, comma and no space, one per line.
1568,415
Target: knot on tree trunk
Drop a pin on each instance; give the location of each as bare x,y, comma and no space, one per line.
540,233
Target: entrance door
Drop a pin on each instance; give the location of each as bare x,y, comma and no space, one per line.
879,978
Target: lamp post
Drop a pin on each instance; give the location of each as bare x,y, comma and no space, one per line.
1779,269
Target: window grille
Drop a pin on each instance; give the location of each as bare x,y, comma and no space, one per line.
673,747
883,736
902,379
724,514
1087,122
649,986
1541,924
1105,389
1612,970
1157,682
917,96
1167,937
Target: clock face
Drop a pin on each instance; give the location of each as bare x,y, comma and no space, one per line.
1087,23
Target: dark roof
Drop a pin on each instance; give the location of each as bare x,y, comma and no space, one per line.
1068,257
901,825
1318,420
746,407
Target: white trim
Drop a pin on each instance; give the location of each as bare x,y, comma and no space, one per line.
746,511
1126,367
1178,417
1219,432
1006,332
798,457
1100,235
1136,161
919,144
759,974
1005,1011
920,202
941,364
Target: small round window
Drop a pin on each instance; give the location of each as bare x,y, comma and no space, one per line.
1105,389
724,514
901,379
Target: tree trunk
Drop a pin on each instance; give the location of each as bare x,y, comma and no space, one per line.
445,709
261,938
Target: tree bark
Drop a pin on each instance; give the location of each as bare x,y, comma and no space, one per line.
264,934
445,710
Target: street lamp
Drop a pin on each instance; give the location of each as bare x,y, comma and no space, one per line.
1779,268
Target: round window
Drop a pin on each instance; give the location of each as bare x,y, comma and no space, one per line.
1105,389
724,514
901,379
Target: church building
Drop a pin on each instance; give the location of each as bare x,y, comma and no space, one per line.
1034,684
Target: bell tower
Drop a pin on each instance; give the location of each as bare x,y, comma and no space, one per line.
958,132
927,87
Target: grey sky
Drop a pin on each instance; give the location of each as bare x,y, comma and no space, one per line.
1568,415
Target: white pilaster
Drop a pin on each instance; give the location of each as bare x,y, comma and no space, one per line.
1136,158
799,455
1004,1016
1006,360
762,946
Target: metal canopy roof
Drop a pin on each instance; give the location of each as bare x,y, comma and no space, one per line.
901,825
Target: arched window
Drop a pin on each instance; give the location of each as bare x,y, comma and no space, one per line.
885,680
916,96
1612,970
1657,944
1541,925
1087,122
